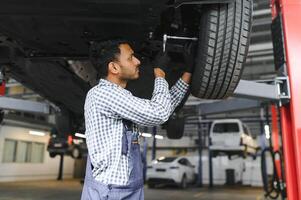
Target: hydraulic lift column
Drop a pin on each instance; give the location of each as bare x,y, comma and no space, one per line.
290,14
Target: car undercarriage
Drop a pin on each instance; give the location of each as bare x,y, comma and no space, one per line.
45,45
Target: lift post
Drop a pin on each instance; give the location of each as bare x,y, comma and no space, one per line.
289,11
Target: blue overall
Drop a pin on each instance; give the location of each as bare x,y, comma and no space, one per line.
95,190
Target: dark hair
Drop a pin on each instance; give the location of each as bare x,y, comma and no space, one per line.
102,53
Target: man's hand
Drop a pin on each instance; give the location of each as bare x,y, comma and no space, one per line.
160,64
189,56
159,73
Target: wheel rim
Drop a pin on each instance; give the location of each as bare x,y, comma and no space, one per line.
75,153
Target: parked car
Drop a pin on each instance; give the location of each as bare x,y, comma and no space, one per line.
232,136
73,146
170,170
45,46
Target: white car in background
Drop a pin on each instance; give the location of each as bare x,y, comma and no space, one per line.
170,171
232,137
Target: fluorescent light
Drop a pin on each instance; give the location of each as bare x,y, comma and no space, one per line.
160,137
267,131
80,135
38,133
146,135
161,158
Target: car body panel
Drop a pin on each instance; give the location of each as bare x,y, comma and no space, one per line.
39,38
65,27
169,172
224,141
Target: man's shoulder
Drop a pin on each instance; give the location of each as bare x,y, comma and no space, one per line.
103,92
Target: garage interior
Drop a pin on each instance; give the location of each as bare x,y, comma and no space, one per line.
258,125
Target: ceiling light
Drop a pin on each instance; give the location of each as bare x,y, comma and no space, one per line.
38,133
146,135
80,135
160,137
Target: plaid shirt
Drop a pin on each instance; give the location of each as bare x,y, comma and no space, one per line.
105,107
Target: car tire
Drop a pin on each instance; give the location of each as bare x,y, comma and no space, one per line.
75,153
175,127
52,155
183,183
224,34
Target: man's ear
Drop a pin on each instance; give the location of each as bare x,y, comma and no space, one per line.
113,67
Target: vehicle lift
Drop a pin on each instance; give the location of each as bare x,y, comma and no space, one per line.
283,94
288,12
286,32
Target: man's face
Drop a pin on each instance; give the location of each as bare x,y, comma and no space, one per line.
129,64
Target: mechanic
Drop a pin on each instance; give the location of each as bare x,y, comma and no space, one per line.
112,115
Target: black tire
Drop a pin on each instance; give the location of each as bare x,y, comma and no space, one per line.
175,127
52,155
222,48
183,183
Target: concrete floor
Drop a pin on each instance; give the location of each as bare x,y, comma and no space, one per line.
71,189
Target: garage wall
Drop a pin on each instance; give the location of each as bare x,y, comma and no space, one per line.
47,169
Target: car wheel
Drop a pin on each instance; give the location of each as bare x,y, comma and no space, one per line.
224,33
184,182
175,127
52,155
76,154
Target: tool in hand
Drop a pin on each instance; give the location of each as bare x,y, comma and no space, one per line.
165,37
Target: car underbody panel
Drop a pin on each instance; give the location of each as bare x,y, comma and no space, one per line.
45,44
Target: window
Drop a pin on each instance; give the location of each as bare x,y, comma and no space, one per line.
185,162
37,153
182,161
226,128
9,152
23,151
189,163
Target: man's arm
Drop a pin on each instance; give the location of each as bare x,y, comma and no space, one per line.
157,110
178,91
140,111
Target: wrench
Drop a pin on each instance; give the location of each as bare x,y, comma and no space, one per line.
165,37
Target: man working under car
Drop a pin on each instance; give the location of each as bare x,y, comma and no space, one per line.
112,113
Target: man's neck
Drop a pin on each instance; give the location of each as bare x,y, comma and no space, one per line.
121,83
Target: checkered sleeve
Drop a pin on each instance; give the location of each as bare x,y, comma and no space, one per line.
177,93
143,111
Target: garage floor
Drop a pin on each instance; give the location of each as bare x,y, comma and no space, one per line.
71,189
